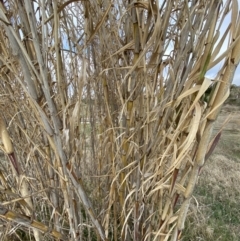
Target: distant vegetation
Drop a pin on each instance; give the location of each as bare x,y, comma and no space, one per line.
234,98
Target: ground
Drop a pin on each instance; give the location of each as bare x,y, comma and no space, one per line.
215,209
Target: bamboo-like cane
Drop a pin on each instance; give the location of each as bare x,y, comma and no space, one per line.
26,221
114,84
7,143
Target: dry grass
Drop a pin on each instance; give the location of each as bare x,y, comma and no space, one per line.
216,215
105,123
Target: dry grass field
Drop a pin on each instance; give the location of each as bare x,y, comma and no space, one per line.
215,213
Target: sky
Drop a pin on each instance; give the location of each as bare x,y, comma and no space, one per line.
212,73
236,79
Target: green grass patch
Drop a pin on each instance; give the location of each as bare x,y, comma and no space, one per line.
216,218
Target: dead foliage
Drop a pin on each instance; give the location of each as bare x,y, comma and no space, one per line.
105,122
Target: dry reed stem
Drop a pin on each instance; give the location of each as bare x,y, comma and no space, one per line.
28,222
107,112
